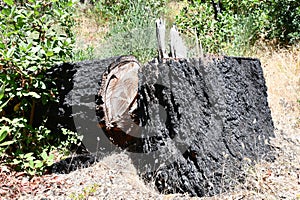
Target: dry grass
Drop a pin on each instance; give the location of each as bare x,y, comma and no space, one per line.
281,179
89,32
282,74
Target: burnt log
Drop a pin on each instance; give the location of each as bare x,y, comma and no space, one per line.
216,121
77,86
194,124
200,122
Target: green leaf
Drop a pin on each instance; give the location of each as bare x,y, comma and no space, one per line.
6,11
44,155
50,160
29,46
18,122
4,104
49,53
28,156
2,46
9,2
7,143
4,132
70,4
2,90
35,35
16,161
35,49
33,94
32,69
36,84
38,164
68,41
43,85
31,164
10,52
57,49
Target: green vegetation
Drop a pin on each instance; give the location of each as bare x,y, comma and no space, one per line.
37,34
132,26
232,27
86,193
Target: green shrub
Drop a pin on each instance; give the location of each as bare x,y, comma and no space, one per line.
34,36
284,17
239,24
128,13
87,192
84,54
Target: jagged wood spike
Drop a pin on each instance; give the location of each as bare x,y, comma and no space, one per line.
178,48
161,35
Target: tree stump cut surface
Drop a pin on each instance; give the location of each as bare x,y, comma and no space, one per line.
117,100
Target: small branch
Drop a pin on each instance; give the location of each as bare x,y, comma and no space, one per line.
32,112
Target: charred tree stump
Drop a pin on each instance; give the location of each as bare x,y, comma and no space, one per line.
199,121
190,125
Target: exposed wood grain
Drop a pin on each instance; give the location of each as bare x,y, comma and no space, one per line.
118,100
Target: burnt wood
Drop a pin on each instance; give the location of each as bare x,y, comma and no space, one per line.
217,122
201,121
193,125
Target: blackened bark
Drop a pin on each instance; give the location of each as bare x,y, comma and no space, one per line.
217,116
201,120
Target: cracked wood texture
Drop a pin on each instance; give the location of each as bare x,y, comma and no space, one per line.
217,122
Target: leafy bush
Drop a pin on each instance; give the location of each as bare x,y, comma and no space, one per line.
284,17
239,24
34,36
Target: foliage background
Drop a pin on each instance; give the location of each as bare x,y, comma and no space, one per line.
35,35
239,24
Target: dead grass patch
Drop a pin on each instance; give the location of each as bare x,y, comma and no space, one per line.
89,32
